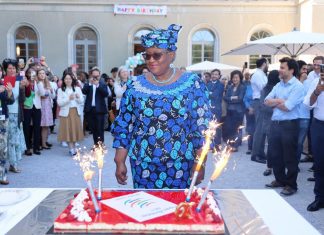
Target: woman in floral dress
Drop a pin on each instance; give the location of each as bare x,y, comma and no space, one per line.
162,118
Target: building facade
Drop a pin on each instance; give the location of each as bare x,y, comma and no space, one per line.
90,33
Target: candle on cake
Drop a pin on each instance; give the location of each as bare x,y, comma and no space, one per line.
99,155
209,133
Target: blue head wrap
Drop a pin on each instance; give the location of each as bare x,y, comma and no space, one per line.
161,38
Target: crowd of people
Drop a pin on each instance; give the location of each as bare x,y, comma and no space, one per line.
158,118
282,108
32,98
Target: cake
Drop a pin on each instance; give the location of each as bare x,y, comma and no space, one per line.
80,216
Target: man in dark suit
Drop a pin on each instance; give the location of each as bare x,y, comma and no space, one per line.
216,90
95,106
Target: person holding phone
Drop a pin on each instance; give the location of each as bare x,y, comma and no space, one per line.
16,139
315,100
95,106
6,98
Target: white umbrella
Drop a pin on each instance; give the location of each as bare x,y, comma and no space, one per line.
293,44
208,65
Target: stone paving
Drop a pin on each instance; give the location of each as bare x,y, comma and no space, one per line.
56,169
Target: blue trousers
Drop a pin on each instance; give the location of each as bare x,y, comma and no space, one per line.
217,114
283,142
317,132
250,128
303,130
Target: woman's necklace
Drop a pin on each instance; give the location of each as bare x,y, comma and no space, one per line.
166,81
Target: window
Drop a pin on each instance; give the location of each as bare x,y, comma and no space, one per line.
253,58
138,48
26,43
86,52
203,46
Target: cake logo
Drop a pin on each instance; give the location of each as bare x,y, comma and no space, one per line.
140,206
138,202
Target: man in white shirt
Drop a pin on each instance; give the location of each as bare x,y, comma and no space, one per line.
258,82
313,77
315,100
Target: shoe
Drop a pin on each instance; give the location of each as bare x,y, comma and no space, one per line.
37,152
307,159
28,153
14,169
49,145
275,184
64,144
258,160
311,179
315,205
288,191
4,182
267,172
72,152
248,152
46,147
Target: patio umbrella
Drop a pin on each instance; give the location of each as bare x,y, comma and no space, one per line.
292,44
208,65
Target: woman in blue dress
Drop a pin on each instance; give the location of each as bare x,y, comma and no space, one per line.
163,115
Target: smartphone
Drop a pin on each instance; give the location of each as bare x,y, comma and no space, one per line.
322,68
19,78
322,72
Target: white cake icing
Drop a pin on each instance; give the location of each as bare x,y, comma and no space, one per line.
78,210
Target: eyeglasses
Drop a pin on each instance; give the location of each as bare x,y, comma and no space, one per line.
156,56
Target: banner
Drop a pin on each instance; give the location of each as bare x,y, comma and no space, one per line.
140,10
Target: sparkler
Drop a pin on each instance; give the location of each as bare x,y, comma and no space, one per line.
99,153
219,167
209,133
85,163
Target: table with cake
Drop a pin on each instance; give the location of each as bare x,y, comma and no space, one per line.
53,211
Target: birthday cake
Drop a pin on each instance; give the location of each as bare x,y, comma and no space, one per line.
142,212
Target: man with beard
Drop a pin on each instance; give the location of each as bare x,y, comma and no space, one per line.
285,99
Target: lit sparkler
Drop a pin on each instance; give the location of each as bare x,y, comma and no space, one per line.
99,153
209,133
86,163
219,167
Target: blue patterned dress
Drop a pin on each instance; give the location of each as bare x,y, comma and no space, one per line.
162,126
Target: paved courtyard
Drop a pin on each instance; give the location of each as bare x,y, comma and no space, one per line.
55,169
